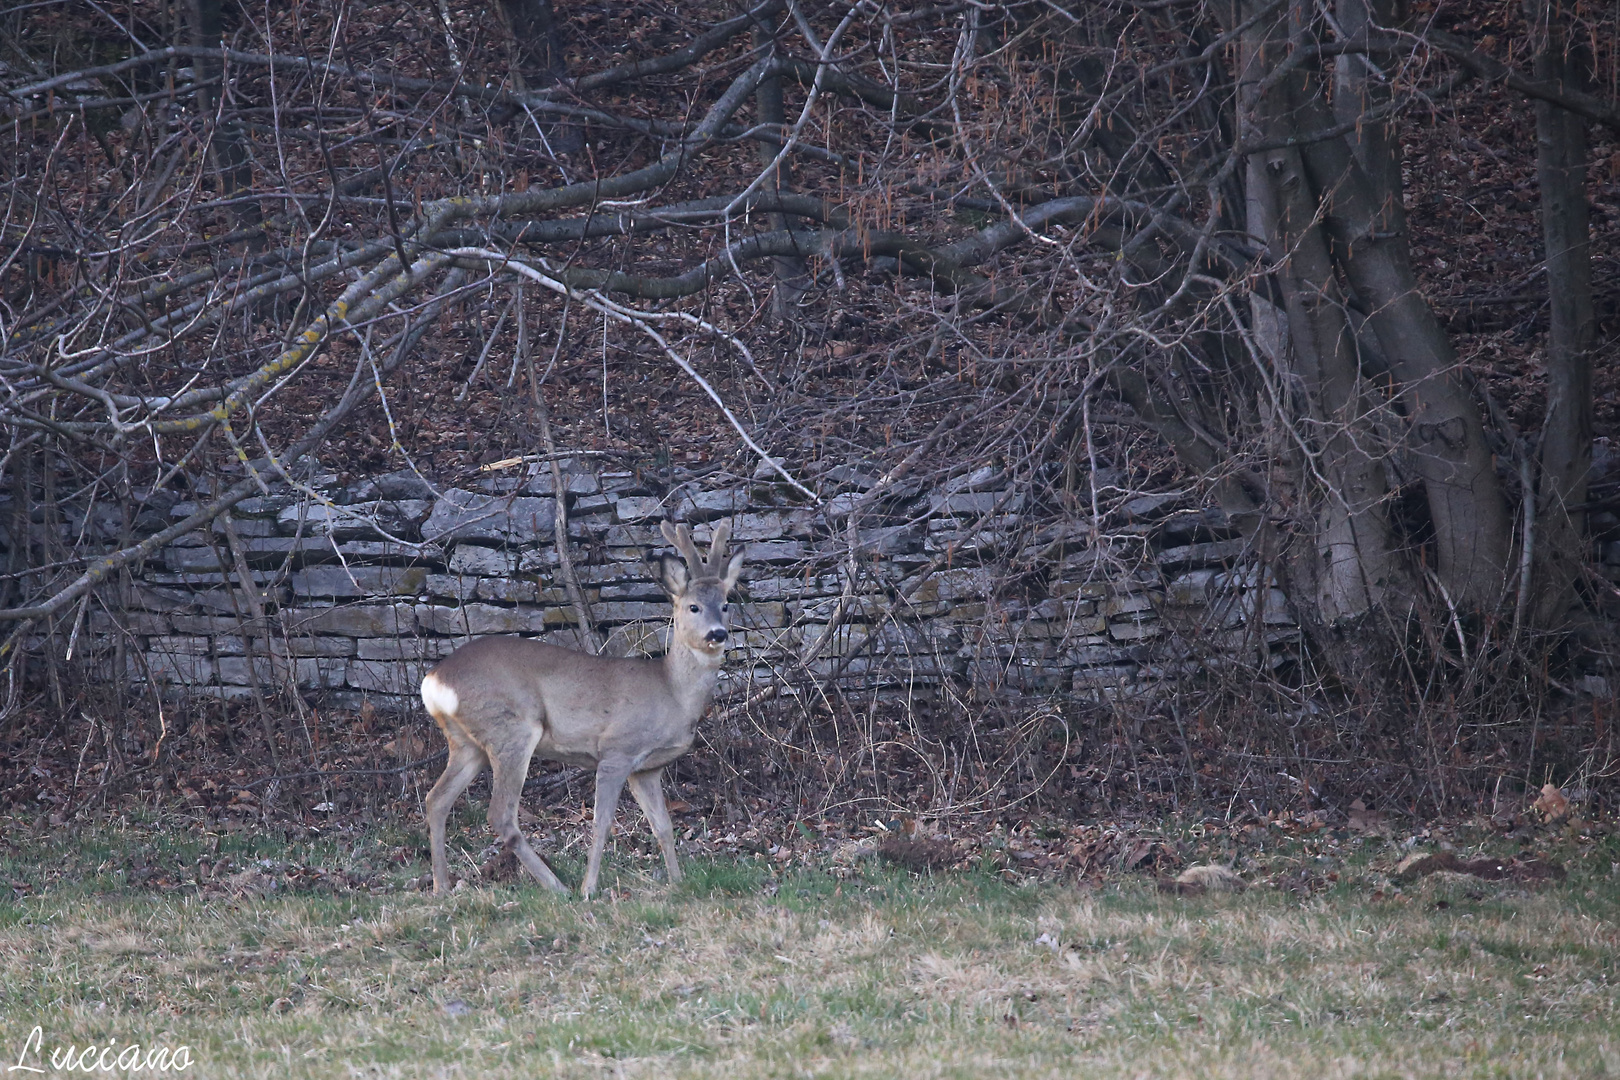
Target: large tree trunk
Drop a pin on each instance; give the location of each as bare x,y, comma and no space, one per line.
1344,572
1360,87
1357,562
1566,431
1358,566
1446,445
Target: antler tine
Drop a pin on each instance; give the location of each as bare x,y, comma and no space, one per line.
681,537
717,549
683,540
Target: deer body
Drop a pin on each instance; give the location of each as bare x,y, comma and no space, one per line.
501,700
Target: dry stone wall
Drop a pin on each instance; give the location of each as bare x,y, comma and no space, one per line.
357,590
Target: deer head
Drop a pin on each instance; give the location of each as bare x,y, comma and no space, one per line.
698,589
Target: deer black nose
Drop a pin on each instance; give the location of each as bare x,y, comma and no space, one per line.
717,635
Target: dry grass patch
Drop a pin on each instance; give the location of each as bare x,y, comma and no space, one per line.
746,971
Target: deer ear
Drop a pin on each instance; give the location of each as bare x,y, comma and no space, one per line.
668,529
733,570
672,572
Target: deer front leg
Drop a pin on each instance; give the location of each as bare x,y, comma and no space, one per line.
648,788
611,774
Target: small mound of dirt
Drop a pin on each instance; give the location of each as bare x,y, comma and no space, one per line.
1532,869
501,865
1197,880
248,883
918,855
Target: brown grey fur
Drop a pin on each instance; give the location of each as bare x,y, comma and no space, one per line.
510,698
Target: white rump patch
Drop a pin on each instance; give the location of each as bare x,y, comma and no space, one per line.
439,698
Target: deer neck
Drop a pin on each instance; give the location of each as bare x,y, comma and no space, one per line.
693,677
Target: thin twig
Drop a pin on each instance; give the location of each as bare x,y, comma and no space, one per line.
335,774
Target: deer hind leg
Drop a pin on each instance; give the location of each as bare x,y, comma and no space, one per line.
648,788
465,762
510,764
610,777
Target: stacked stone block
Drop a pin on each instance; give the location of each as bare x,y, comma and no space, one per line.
363,588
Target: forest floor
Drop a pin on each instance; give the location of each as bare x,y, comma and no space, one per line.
319,956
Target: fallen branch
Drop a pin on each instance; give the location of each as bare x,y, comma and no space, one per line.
339,774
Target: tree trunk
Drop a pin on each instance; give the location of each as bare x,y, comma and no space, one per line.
538,62
226,149
792,276
1344,573
1357,560
1566,432
1359,87
1361,84
1446,444
535,36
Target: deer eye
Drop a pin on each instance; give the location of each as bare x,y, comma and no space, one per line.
696,609
725,607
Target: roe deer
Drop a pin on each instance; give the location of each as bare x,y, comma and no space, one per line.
501,700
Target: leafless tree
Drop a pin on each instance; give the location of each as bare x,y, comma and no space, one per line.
1168,232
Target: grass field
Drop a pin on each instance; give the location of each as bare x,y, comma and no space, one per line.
749,970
